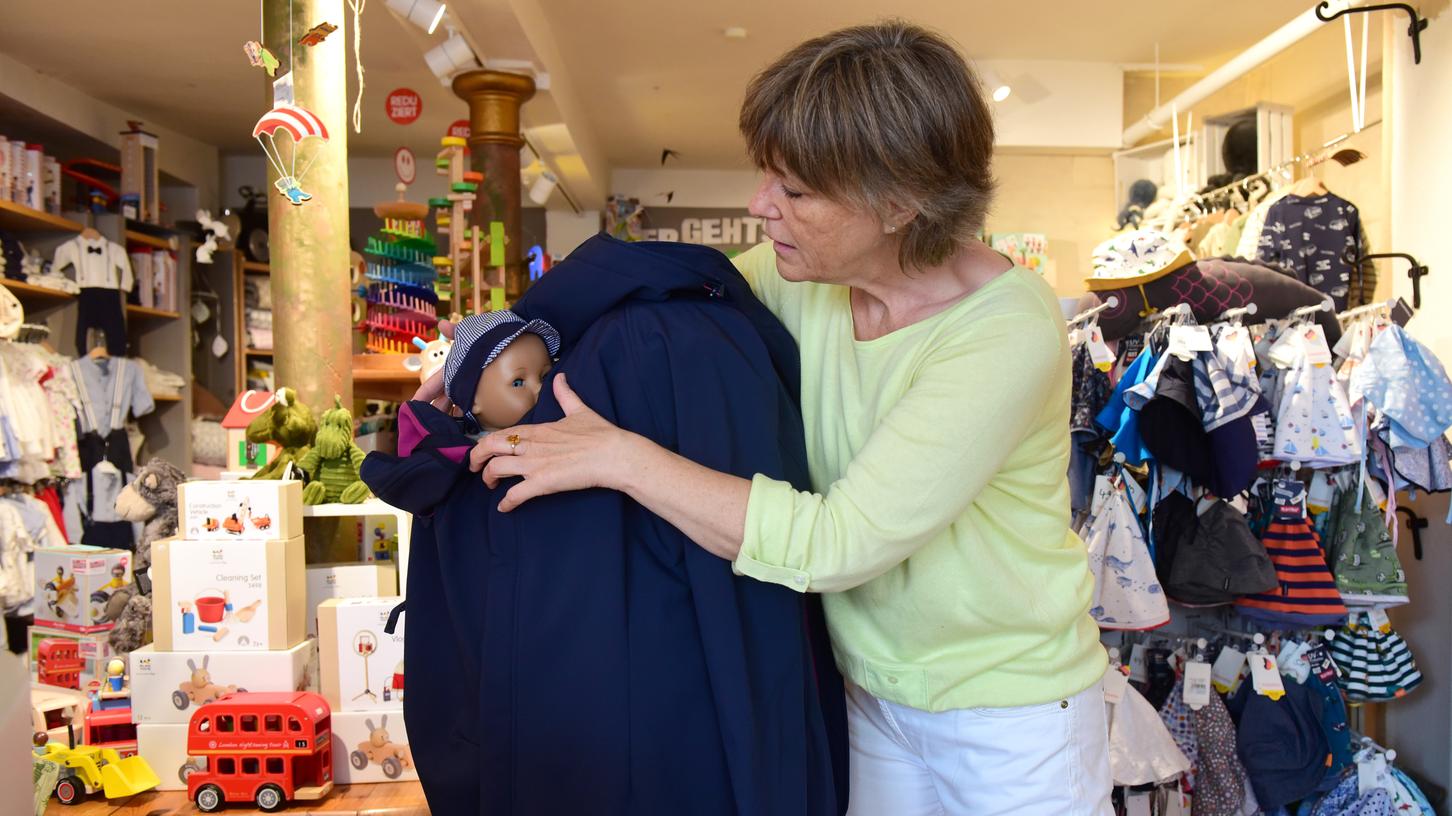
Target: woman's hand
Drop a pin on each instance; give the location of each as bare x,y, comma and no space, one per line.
581,451
432,389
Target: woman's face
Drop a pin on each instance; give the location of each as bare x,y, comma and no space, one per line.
816,238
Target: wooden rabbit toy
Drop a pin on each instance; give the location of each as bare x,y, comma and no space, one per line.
379,749
199,689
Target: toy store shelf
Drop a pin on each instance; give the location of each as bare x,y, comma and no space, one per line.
134,237
385,799
19,218
26,292
382,376
133,310
165,398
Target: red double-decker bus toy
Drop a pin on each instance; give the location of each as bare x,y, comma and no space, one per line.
268,748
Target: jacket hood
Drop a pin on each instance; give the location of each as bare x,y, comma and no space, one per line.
605,272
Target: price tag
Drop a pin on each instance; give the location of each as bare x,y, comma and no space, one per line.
1137,498
1286,350
1318,657
1103,489
1115,682
1197,684
1176,803
1187,341
1292,660
1265,676
1320,496
1379,620
1372,774
1099,352
1225,674
1313,338
1137,804
1139,664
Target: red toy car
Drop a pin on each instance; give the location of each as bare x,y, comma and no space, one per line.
268,748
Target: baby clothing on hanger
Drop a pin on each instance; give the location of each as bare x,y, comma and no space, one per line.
1362,555
1306,594
1310,238
103,272
105,450
1127,594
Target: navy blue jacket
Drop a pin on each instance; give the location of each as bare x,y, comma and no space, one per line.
580,655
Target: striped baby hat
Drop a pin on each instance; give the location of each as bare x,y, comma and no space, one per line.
1376,666
1307,594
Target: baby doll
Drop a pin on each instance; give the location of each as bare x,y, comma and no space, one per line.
495,368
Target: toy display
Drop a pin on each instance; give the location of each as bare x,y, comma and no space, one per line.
152,500
287,423
307,135
55,712
108,722
228,595
361,661
347,581
165,747
243,454
242,510
268,748
401,298
168,686
59,657
332,465
88,769
373,747
81,588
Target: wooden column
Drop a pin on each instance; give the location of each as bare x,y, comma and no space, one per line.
311,310
495,98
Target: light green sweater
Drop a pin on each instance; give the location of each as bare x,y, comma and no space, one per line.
939,529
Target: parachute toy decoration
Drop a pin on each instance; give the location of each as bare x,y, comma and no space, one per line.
303,126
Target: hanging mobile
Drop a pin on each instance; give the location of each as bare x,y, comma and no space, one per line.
302,125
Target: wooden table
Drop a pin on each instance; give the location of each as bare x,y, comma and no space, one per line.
383,799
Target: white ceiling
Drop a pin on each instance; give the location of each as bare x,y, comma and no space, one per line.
629,77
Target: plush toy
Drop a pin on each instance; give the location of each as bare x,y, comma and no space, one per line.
291,425
150,498
332,464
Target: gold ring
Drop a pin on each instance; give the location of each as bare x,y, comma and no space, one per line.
513,440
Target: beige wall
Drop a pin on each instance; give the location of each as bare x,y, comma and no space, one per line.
1068,197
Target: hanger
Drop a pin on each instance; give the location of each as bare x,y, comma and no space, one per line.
90,233
1309,187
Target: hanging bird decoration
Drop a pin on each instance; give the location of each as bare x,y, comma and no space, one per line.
260,57
666,154
317,34
307,136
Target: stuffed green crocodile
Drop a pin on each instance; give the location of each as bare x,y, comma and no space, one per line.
332,464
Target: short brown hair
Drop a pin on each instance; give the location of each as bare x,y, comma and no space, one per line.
878,115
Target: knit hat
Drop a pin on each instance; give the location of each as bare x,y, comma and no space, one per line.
1282,745
1306,594
1220,562
1361,553
1375,666
1134,258
1219,775
480,338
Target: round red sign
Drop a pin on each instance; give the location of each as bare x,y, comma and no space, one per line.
404,106
460,128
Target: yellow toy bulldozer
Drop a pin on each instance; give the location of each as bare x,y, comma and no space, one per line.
86,769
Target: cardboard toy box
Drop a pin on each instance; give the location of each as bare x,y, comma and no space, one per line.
347,581
164,747
212,596
74,587
242,509
362,665
68,659
166,687
371,746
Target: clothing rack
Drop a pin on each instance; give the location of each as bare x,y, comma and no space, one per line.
1236,314
1109,303
1384,306
1312,158
1178,310
1307,311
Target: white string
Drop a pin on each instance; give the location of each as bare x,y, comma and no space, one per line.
357,6
290,64
1362,106
1350,74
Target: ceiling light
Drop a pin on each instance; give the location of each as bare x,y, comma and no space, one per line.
450,57
995,85
425,14
539,193
735,33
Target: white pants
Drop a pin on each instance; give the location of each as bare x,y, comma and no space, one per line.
1043,760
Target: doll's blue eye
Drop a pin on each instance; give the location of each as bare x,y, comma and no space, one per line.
518,382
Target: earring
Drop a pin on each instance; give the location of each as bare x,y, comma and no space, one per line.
891,228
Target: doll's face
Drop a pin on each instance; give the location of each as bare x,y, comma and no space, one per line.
510,385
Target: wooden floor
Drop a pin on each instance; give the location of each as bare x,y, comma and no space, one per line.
384,799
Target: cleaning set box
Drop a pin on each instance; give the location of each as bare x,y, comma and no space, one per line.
228,595
166,687
347,581
75,587
362,665
164,747
371,746
229,510
69,659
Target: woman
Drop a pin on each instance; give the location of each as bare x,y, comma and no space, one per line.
935,396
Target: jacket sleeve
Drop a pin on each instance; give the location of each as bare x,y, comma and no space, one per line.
968,409
122,265
65,256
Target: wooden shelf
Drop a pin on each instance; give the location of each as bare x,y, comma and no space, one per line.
165,398
25,291
252,352
19,218
148,312
254,267
382,376
383,799
134,237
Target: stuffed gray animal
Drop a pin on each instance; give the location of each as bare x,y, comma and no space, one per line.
150,498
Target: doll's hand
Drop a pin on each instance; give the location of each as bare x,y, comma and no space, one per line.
581,451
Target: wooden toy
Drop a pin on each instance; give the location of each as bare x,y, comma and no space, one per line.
268,748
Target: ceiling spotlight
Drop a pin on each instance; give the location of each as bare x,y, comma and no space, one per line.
539,193
997,88
450,57
425,14
735,33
